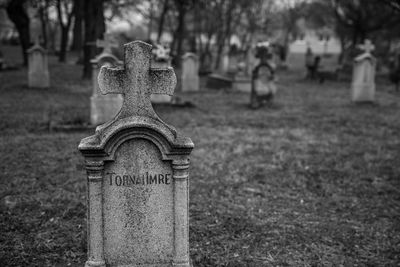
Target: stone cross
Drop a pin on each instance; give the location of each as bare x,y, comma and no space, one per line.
137,81
107,44
137,173
368,47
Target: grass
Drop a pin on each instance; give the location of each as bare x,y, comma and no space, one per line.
312,180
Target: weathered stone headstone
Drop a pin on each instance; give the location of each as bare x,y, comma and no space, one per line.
103,107
137,172
190,72
363,84
38,68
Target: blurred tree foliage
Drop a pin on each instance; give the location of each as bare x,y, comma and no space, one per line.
207,26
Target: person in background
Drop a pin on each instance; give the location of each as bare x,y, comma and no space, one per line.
309,58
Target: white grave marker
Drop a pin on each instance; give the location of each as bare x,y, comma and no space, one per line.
363,84
38,67
190,72
104,107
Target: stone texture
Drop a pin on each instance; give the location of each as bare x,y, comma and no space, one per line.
38,67
190,73
137,169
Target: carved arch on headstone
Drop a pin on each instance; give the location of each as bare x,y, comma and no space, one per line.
166,147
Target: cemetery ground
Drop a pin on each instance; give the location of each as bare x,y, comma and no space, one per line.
311,180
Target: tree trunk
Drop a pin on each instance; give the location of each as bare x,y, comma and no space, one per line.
62,56
162,19
180,33
64,30
17,14
77,31
44,21
94,29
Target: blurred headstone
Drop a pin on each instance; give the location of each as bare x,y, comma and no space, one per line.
104,107
161,58
190,72
363,84
137,173
224,61
218,81
38,67
263,87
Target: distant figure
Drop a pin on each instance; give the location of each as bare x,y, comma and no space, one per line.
394,75
315,74
1,60
309,58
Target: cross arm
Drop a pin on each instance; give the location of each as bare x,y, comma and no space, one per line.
111,80
162,81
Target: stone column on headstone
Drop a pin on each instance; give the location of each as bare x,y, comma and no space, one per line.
94,169
363,82
190,72
38,68
138,173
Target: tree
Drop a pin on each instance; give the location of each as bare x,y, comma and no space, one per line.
363,19
78,26
17,13
395,4
292,12
161,22
94,29
65,14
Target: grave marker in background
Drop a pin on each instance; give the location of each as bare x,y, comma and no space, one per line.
161,58
103,107
38,67
190,72
137,170
363,84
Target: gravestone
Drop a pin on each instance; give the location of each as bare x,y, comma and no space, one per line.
137,173
161,59
38,67
218,81
190,72
263,87
103,107
224,61
363,83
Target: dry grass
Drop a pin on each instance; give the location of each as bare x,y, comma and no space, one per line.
312,180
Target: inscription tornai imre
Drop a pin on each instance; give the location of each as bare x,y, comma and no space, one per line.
139,179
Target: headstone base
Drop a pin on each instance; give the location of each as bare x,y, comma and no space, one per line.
217,81
363,93
104,108
242,84
39,80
